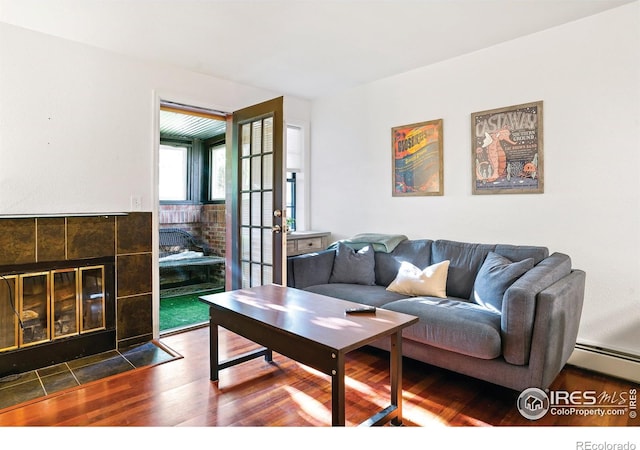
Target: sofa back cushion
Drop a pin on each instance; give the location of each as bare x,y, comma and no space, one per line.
520,252
465,261
495,276
417,252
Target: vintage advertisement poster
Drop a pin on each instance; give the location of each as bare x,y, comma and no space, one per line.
417,159
507,150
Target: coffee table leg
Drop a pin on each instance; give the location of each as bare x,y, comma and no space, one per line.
338,393
396,376
213,350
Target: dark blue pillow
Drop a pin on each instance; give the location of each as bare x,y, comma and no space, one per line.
353,267
495,276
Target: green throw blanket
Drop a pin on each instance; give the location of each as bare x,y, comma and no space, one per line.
380,242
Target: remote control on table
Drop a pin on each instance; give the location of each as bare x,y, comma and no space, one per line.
361,310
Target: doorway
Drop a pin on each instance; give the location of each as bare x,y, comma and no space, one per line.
191,212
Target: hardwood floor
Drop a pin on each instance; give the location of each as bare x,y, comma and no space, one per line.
285,393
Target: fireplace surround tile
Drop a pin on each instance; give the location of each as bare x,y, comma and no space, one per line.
51,239
17,241
134,233
134,274
135,322
91,237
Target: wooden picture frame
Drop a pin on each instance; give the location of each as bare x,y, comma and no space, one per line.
507,150
416,156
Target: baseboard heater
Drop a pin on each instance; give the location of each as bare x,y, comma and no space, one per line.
610,362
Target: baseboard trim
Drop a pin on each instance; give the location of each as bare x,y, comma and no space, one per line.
603,361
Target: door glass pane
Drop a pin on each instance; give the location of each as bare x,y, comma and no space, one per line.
245,216
246,275
256,209
267,209
245,143
256,141
256,275
256,173
267,177
245,243
256,245
268,246
267,274
246,174
268,135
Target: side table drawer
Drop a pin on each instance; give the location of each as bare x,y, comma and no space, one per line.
310,244
301,242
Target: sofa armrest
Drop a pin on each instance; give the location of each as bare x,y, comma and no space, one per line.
310,269
519,306
559,308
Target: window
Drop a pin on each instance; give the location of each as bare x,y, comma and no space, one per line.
173,165
294,152
217,161
291,200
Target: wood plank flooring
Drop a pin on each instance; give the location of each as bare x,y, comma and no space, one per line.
285,393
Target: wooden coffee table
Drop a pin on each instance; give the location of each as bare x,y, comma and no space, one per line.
309,328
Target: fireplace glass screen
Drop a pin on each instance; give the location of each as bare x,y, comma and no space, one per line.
65,302
44,306
92,303
34,308
8,312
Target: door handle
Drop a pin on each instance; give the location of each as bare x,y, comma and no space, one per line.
276,228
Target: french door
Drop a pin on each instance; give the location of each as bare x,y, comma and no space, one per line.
255,220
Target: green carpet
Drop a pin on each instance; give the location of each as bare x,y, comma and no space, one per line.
182,311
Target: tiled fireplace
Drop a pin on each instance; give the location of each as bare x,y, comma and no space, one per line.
72,286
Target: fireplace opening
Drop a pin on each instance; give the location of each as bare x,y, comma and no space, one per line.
55,312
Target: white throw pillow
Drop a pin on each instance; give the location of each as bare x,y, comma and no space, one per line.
413,281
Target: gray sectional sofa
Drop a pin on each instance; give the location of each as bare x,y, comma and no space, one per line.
505,314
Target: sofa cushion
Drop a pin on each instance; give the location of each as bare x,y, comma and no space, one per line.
496,274
431,281
355,267
368,295
456,325
310,269
520,252
466,259
417,252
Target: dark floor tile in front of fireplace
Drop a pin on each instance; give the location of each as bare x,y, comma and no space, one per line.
20,388
28,387
146,355
58,381
102,369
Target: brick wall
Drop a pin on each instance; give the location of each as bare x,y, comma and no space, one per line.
206,222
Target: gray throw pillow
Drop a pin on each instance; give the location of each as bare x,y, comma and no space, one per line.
353,267
495,276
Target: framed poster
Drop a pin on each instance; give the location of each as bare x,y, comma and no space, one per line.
417,159
507,150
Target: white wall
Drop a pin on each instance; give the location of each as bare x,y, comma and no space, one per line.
77,124
587,73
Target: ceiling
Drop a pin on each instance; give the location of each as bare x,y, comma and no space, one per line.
185,124
303,48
